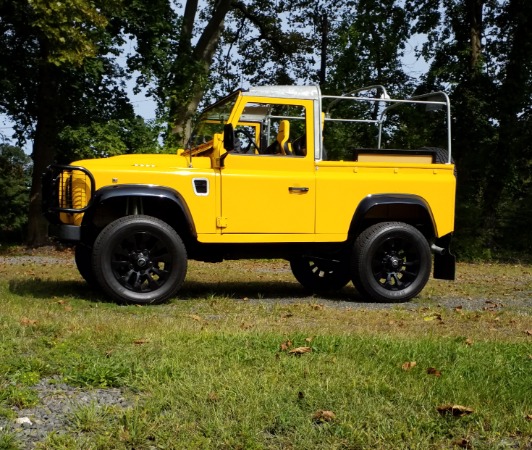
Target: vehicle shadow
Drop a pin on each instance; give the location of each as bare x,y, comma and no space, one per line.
261,290
191,290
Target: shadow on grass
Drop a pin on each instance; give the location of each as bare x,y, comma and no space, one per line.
51,289
276,290
192,290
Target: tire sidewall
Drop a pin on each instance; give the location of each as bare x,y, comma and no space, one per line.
119,230
302,271
371,242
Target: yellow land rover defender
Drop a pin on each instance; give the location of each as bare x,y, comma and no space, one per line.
357,187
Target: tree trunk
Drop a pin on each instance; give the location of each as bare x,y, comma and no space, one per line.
191,68
475,19
43,149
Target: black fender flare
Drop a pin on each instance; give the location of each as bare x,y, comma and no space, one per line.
139,190
376,200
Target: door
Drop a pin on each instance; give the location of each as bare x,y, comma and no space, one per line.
272,190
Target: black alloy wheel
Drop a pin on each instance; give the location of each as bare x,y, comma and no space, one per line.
140,260
391,262
321,275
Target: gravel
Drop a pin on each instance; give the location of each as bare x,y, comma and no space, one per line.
57,403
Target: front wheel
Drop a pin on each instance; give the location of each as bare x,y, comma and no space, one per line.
83,257
320,275
139,260
391,262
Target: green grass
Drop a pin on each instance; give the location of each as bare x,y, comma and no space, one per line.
208,371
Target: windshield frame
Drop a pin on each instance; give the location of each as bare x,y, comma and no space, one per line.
212,119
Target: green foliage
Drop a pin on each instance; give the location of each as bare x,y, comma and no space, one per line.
111,138
68,26
8,441
19,396
15,171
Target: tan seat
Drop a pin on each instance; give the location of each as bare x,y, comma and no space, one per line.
283,137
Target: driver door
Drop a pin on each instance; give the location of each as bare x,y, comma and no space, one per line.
263,192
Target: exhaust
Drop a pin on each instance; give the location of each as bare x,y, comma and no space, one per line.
438,250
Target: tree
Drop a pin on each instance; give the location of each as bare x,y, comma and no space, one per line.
368,45
57,70
219,46
514,99
110,138
15,171
481,50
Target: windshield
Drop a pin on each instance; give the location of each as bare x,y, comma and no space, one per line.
212,121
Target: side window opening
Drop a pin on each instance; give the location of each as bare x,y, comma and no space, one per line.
272,129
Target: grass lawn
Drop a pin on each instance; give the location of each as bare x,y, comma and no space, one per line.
246,359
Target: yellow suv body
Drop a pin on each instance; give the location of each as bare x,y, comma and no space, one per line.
343,187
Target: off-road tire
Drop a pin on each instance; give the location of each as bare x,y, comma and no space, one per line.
83,259
391,262
321,275
139,260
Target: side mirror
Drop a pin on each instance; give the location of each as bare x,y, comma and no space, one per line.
229,137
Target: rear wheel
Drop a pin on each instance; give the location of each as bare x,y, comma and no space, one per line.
321,275
140,260
391,262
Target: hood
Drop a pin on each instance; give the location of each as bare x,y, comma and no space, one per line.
140,162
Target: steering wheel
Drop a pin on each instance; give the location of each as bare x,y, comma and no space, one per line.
250,139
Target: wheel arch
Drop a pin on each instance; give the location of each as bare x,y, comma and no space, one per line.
408,208
112,202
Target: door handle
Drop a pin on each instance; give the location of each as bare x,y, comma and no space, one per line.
297,189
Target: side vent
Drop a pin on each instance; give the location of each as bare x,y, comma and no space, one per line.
201,186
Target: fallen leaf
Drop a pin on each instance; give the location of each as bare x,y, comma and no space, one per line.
27,322
300,350
408,365
469,341
459,308
61,302
309,339
322,416
317,307
213,397
196,317
455,410
435,316
528,332
141,341
285,345
463,443
529,417
433,371
68,308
